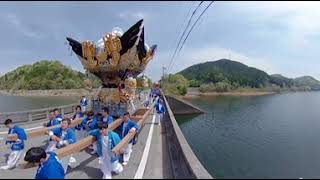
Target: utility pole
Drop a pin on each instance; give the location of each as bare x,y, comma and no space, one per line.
163,74
163,70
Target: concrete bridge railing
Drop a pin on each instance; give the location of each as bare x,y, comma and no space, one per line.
36,115
184,162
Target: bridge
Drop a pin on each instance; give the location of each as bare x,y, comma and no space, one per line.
160,152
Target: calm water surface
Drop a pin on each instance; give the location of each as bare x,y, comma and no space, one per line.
272,136
19,103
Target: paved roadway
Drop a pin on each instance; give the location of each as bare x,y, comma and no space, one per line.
148,160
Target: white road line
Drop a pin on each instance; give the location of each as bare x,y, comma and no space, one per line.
143,162
29,129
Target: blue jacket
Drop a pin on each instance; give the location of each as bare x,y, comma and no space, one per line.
125,130
16,146
70,136
152,92
51,169
89,126
80,115
114,139
53,122
84,102
59,117
155,92
107,120
159,107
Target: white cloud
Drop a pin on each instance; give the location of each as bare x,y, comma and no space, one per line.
300,18
16,22
128,15
192,56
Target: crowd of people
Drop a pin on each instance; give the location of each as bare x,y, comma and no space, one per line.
94,124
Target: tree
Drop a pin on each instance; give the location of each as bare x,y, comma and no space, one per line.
175,84
43,75
223,87
194,83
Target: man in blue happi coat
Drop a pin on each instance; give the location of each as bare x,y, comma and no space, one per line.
106,117
59,116
89,123
106,140
61,137
160,110
128,126
17,143
84,103
78,114
78,130
52,120
49,165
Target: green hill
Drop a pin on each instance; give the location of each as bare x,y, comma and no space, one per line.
281,81
225,70
45,75
306,81
237,75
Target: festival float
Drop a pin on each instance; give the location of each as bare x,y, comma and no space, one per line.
116,59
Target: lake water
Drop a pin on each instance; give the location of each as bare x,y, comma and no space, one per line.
19,103
272,136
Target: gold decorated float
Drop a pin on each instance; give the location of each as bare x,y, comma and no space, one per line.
117,59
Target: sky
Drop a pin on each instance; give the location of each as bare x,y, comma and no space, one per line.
276,37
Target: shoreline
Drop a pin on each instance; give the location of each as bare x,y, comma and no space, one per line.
49,93
192,93
235,93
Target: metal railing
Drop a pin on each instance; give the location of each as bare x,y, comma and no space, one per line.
43,114
35,115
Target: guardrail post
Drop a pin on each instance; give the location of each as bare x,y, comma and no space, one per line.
29,117
62,111
47,114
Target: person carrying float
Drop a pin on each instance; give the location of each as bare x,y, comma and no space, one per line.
106,140
49,166
16,142
128,126
61,137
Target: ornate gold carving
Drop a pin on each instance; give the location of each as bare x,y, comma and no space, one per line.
136,62
112,46
102,57
109,95
130,86
148,57
88,51
124,97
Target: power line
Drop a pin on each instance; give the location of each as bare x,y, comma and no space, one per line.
173,42
193,13
193,27
182,25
